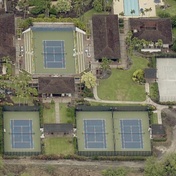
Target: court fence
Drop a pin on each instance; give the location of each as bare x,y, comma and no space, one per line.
111,108
115,153
22,153
21,108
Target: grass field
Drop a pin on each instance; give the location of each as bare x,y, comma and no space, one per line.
171,9
49,114
63,112
59,145
88,15
154,118
120,86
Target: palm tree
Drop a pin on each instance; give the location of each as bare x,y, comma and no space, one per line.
149,10
132,12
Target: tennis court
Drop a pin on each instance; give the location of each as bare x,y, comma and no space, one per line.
166,73
54,54
130,5
94,132
21,133
131,133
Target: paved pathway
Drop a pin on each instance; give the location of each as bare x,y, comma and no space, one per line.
123,50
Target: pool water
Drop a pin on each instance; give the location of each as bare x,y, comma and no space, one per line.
130,5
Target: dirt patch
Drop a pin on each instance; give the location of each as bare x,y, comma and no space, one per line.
160,149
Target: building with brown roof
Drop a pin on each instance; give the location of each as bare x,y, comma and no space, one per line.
7,34
106,37
56,86
152,29
150,75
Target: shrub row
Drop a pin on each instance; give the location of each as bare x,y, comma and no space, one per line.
1,132
84,158
57,157
120,158
41,114
160,140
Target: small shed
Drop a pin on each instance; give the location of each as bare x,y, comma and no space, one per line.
60,129
150,75
158,131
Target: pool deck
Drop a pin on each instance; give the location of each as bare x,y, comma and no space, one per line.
118,7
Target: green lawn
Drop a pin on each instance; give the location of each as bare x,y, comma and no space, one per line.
88,15
171,9
63,112
154,118
119,86
17,100
49,113
59,145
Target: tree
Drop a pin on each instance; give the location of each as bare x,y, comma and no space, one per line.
64,6
97,5
88,79
121,14
142,11
138,76
160,43
105,64
173,21
163,14
115,172
132,12
20,84
174,46
23,5
79,6
152,167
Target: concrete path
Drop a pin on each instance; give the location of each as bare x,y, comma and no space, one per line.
57,102
123,50
147,101
57,112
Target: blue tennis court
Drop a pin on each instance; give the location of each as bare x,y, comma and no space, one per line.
21,134
54,54
130,5
131,134
95,134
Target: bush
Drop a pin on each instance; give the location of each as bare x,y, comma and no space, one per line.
41,114
163,14
97,5
152,62
154,92
1,132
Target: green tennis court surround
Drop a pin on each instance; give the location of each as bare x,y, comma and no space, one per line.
21,133
113,131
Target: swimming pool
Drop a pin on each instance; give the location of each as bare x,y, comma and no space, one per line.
130,5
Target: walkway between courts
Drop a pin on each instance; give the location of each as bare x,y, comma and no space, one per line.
57,102
147,101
